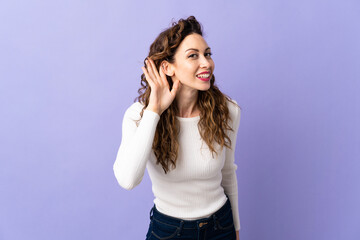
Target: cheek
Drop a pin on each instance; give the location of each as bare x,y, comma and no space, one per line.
188,71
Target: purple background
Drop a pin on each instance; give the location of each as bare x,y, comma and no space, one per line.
69,69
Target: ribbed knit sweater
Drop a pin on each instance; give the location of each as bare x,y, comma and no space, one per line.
196,188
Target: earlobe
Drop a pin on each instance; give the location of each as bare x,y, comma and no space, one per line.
167,69
170,73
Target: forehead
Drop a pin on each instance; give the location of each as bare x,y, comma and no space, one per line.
193,41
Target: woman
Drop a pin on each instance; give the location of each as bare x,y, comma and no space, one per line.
183,130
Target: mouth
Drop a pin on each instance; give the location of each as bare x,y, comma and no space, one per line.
204,76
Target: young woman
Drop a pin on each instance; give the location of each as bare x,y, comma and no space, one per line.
183,130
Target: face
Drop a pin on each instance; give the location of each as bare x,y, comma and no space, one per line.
193,64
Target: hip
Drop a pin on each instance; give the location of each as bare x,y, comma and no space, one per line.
219,225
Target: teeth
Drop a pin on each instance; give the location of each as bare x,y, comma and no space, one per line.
203,75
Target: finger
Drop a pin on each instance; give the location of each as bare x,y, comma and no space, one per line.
163,77
150,71
157,72
154,71
148,79
175,88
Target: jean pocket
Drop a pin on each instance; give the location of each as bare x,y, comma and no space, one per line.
163,231
226,221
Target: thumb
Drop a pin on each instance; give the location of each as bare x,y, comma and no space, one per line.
175,88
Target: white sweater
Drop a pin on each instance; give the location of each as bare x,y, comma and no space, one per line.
196,187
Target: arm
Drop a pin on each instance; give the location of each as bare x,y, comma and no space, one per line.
135,147
229,179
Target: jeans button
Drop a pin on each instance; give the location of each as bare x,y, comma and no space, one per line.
202,224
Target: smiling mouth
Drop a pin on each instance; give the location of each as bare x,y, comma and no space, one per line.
204,77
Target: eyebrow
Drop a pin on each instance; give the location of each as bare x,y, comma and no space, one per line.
196,49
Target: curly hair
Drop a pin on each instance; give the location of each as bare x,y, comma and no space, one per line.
214,112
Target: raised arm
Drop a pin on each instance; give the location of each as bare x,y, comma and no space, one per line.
135,147
136,143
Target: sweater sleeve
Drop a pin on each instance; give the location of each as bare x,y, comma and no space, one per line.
229,179
135,147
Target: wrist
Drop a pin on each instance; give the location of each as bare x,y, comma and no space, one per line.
153,110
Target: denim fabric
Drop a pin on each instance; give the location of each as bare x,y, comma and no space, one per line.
218,226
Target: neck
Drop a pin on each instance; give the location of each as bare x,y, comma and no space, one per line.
187,103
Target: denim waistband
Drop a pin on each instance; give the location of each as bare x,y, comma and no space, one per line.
191,224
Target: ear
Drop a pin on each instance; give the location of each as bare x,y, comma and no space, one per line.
167,68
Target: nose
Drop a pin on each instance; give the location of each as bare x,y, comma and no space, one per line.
205,62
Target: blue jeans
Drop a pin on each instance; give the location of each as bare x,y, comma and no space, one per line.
220,225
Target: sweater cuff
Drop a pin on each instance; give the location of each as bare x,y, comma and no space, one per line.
151,114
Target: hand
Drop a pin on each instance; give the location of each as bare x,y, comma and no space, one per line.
237,235
160,96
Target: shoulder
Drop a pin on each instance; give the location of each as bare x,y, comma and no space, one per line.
235,112
234,108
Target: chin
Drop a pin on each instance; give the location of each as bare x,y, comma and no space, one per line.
205,88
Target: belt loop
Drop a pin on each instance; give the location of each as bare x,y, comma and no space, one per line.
151,213
180,228
215,223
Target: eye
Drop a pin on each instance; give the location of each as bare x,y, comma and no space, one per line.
194,54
